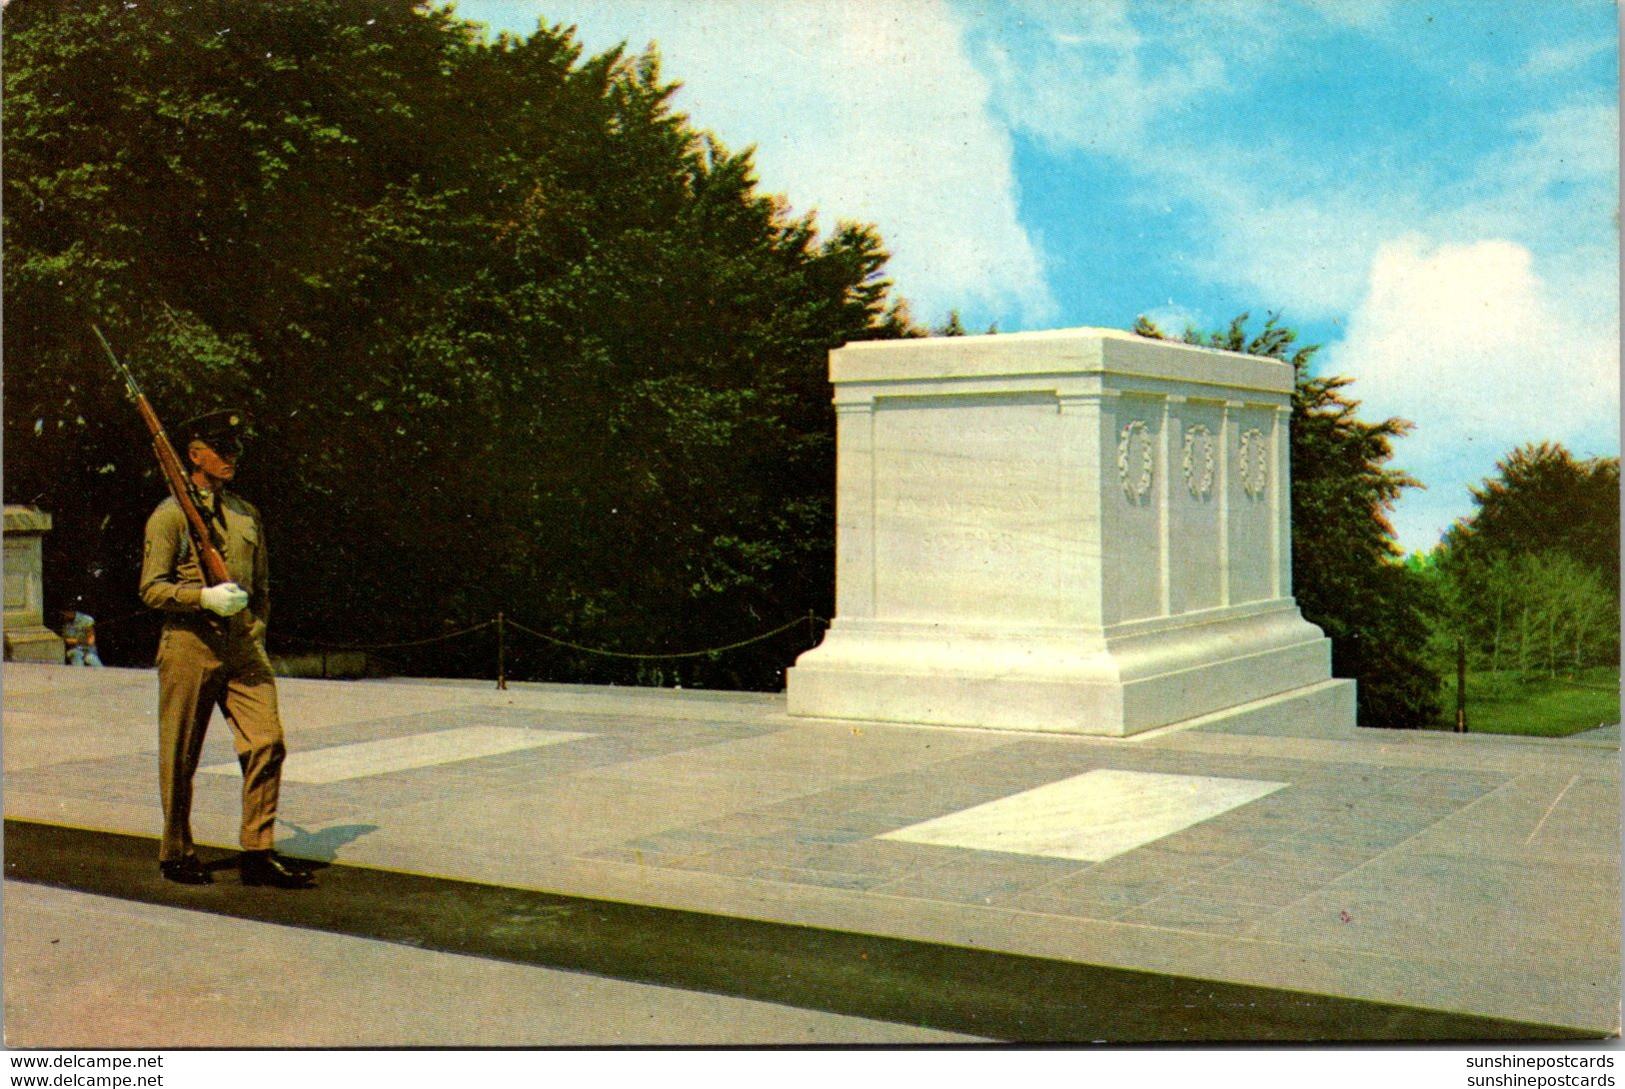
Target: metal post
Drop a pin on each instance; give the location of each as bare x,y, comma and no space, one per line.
1461,686
502,653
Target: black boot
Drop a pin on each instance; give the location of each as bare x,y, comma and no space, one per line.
267,868
185,871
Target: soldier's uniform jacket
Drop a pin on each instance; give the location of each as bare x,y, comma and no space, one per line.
172,580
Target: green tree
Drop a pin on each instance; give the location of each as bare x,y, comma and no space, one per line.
1543,499
1531,578
1550,613
1346,570
516,335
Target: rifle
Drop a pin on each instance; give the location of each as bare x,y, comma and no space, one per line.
210,561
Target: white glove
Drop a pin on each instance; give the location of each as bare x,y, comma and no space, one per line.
227,599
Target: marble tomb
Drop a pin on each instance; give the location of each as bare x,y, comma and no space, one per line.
1080,531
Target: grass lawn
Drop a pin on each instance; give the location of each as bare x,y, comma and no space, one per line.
1538,707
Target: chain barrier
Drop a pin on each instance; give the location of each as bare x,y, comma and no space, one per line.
394,646
808,619
127,617
317,644
502,623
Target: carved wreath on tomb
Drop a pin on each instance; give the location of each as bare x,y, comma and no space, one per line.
1199,468
1134,460
1254,463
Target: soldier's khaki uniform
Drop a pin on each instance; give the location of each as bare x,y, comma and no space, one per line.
206,661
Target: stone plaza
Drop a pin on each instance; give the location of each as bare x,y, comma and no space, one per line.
1069,766
1442,874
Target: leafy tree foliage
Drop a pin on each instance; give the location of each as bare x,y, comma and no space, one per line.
516,336
1531,578
1543,499
952,326
1543,611
1346,573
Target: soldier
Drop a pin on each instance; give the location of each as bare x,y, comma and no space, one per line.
213,653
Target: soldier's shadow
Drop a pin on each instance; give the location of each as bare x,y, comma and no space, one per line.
323,846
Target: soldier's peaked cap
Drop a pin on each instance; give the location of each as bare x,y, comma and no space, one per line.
222,430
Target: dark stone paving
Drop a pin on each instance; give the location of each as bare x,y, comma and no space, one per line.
993,995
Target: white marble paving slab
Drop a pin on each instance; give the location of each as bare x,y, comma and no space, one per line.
1089,817
339,762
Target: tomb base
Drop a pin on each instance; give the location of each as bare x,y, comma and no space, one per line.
1110,682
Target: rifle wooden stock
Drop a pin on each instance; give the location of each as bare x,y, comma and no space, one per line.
210,561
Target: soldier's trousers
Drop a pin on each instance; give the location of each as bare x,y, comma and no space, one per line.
197,672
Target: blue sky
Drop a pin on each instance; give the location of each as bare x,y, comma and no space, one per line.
1429,190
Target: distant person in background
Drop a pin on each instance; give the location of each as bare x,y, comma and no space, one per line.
79,633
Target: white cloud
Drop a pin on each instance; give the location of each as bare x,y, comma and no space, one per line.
1559,183
1082,75
1174,319
1308,256
1473,346
1285,224
1331,251
1555,60
861,111
1366,14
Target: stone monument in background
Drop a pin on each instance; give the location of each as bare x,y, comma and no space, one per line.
27,639
1079,531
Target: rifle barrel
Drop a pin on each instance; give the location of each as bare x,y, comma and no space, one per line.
210,560
118,365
